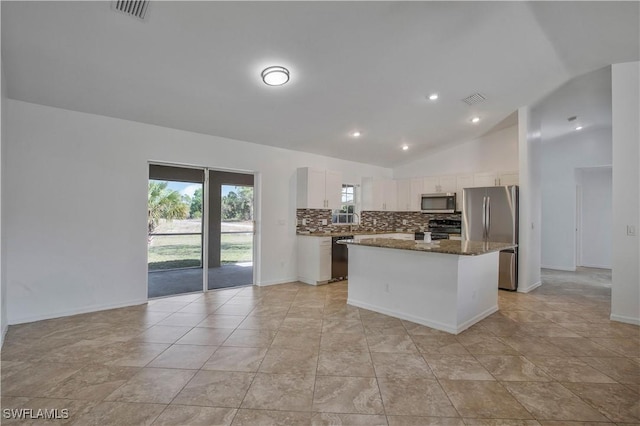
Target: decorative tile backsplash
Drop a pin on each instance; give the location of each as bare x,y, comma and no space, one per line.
369,220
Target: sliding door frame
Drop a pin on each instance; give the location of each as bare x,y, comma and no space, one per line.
206,193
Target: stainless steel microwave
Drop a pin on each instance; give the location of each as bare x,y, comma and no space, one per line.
441,202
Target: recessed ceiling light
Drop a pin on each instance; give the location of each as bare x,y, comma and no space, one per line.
433,96
579,128
356,134
275,76
475,119
405,147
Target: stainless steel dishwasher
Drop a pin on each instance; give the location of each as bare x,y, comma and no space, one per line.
339,257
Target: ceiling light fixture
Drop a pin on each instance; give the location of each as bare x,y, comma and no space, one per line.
579,128
475,119
405,147
433,97
275,76
356,134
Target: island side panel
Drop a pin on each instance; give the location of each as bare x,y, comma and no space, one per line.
411,285
477,288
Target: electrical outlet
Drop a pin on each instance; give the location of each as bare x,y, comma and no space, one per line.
324,221
304,222
375,221
404,221
631,230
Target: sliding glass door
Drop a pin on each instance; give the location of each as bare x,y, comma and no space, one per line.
175,238
231,230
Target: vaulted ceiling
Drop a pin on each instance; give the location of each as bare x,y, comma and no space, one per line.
365,66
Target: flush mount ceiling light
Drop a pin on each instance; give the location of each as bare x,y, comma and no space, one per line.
579,128
433,96
356,134
275,76
475,120
405,147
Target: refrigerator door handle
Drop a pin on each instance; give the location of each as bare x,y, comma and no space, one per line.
484,218
488,216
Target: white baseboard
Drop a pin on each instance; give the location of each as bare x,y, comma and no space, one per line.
449,328
83,310
625,319
558,268
529,288
275,282
597,266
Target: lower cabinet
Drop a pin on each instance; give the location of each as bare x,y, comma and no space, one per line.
314,256
314,259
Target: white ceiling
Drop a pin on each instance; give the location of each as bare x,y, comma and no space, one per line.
587,97
354,65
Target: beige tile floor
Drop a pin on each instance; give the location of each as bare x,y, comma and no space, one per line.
296,354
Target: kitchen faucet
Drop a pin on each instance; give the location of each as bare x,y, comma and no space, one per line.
353,223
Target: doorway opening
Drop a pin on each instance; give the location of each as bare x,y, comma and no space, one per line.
231,230
175,230
594,217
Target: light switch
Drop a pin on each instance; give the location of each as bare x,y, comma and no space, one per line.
404,221
304,222
631,230
324,221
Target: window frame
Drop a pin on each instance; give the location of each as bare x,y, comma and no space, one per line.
343,211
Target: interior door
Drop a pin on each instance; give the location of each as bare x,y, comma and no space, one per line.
473,214
502,214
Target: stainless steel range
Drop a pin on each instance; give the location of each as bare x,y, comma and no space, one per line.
441,228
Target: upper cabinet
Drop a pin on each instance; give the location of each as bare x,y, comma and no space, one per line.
508,178
433,184
409,191
318,188
379,194
496,178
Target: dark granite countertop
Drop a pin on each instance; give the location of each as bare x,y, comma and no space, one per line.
464,248
345,233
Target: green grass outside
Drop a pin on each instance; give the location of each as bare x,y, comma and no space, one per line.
183,251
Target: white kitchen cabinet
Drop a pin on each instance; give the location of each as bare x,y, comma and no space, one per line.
496,178
434,184
379,194
485,179
409,192
447,184
462,181
318,188
314,259
508,178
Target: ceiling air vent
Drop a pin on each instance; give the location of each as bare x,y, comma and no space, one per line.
476,98
137,9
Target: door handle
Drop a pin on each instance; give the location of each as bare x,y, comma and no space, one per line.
484,218
488,216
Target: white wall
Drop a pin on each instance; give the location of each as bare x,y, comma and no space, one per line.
497,151
625,293
76,208
3,132
529,239
596,217
560,157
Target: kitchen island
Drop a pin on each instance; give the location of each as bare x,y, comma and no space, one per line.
447,285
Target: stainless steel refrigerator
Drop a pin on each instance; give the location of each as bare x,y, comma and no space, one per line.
491,214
